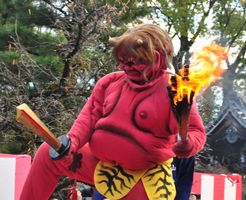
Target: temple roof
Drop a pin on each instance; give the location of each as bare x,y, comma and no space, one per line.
234,108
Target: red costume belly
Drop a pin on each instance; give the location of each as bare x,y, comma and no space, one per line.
127,151
135,128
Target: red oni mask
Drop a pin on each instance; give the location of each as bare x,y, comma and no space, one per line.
138,70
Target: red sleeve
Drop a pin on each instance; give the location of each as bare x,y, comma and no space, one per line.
83,126
196,131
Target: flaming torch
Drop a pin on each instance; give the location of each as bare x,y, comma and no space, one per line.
206,66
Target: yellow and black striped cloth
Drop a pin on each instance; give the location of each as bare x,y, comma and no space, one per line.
114,182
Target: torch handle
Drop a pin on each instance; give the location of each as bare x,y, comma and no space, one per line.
183,128
184,120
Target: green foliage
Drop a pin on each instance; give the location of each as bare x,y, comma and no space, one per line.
51,61
9,57
6,33
10,144
134,13
230,21
42,16
13,9
12,147
183,16
20,35
37,42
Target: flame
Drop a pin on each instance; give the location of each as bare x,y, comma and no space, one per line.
206,67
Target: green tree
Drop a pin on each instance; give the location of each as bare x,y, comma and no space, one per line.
188,21
185,20
24,49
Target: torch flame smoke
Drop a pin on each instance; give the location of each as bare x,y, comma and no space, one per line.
206,67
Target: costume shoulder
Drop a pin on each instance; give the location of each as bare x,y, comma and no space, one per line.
111,77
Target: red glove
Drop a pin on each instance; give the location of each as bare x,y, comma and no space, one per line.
183,148
72,158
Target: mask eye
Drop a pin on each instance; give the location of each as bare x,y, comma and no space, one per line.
130,63
141,61
127,62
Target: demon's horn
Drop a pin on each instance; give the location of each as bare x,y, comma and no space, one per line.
140,42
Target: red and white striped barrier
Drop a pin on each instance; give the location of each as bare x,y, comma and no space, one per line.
217,186
13,173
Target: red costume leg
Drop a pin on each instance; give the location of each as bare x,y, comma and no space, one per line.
137,192
45,173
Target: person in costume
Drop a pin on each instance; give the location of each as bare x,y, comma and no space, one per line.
124,139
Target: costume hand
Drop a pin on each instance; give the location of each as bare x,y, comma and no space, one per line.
72,158
183,148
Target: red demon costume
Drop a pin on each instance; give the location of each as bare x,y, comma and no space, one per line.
127,124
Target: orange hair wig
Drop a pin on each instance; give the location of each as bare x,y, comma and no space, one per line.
141,42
